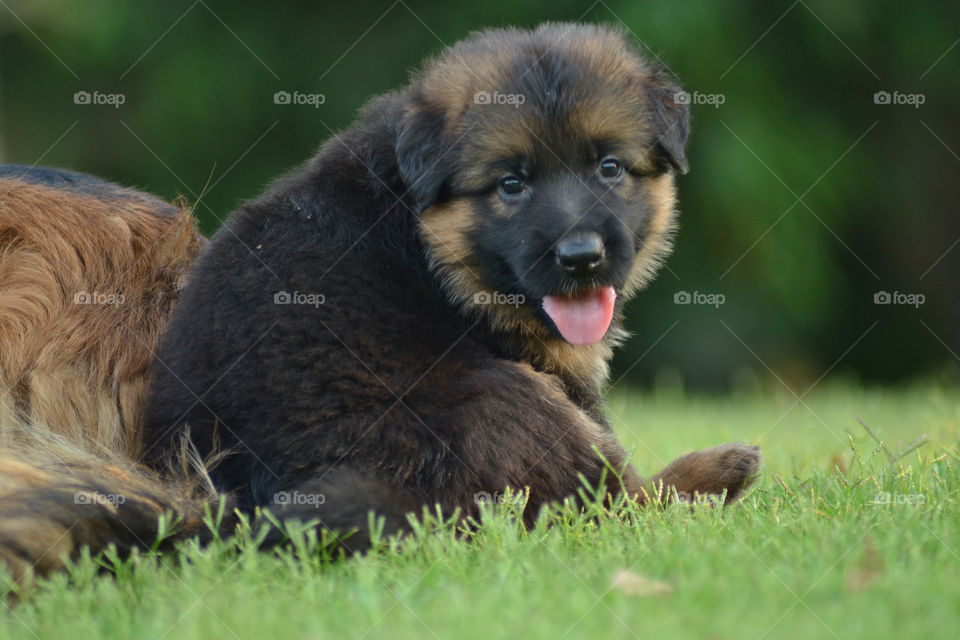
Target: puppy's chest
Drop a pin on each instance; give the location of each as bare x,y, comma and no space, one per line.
582,371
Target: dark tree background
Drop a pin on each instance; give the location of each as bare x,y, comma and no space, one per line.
808,195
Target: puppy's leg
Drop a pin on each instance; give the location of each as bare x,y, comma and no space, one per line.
341,501
730,467
520,429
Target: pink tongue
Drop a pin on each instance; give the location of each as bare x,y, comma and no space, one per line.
583,319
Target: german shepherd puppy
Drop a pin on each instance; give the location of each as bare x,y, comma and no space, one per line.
423,314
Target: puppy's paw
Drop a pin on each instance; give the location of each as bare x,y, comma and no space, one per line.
730,467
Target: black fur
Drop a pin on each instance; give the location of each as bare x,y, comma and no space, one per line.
80,183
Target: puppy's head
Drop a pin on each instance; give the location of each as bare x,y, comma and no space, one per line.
542,166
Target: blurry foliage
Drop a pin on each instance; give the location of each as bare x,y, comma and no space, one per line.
199,117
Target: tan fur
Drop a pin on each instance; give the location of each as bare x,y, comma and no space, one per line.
86,286
658,243
453,81
55,497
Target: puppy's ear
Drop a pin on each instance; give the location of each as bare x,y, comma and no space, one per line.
670,116
423,152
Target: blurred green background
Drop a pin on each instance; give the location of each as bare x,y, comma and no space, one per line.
806,197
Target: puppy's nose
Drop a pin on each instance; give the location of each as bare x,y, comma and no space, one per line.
580,254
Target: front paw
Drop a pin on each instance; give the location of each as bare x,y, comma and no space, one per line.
729,468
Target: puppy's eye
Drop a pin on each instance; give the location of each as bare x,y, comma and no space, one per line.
610,168
511,185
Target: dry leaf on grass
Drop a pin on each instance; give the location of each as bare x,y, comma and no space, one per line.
634,584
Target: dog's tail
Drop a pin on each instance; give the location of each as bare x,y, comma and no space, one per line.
56,499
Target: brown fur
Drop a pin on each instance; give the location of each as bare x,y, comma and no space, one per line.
72,358
73,369
728,467
56,498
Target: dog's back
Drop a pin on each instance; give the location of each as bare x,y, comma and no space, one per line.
89,272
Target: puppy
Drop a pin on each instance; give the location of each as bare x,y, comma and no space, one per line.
424,313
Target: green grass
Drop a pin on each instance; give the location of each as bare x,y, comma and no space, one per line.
807,554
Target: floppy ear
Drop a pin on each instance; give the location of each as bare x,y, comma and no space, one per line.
422,155
670,115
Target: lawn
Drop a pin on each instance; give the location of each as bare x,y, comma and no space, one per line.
835,541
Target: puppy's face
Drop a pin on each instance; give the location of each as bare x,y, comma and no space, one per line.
542,162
